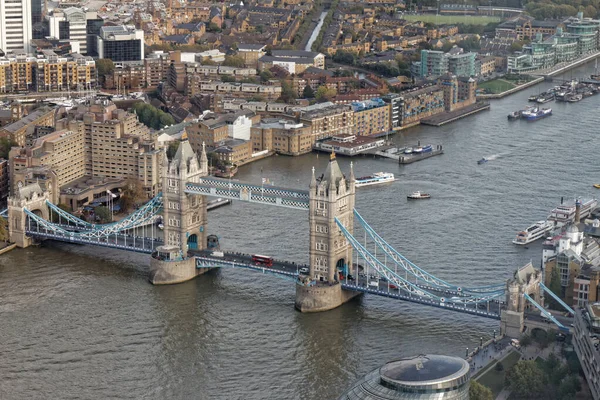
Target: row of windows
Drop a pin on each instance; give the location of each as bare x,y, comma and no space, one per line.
321,246
174,222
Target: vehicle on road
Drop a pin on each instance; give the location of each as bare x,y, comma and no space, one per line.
374,283
262,260
218,254
304,270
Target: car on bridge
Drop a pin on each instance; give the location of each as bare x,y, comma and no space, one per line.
304,270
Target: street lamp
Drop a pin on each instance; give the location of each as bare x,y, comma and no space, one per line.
467,354
494,334
481,342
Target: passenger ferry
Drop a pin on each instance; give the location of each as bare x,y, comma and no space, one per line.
375,179
565,213
536,113
533,232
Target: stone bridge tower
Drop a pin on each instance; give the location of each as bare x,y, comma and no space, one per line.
34,199
184,217
526,281
331,196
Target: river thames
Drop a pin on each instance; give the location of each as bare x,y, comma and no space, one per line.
84,323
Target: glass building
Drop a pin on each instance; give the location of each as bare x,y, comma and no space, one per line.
424,377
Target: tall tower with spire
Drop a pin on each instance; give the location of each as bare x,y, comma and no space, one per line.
331,196
184,214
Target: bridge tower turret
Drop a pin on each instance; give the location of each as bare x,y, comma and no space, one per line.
33,198
331,196
184,217
525,281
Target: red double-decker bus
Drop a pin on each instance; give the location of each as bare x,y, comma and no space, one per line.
262,260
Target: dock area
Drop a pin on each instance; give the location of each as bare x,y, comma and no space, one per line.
399,153
445,118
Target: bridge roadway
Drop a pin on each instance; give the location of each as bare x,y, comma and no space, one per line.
383,288
119,241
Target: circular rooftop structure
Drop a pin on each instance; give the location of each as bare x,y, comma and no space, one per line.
419,377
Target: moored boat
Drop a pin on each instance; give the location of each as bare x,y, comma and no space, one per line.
565,213
375,179
536,113
514,115
597,185
533,232
418,196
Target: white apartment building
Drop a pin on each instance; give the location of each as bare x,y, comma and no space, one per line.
15,25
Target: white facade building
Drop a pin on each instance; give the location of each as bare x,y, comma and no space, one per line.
71,24
240,128
15,25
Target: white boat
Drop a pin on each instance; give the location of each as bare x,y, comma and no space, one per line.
565,213
408,150
418,196
533,232
418,149
375,179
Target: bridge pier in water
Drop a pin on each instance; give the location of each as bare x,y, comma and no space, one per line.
331,196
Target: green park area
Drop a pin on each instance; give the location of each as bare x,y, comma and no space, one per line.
493,376
452,19
504,83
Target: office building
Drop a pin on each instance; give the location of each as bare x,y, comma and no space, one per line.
71,24
283,137
15,25
120,43
586,344
456,61
423,377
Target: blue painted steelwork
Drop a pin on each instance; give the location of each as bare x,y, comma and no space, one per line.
419,273
544,312
403,284
4,213
269,195
134,219
109,236
420,300
558,299
207,262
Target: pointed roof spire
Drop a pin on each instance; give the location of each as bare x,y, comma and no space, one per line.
352,178
313,180
203,157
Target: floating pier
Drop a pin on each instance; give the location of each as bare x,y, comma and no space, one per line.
398,153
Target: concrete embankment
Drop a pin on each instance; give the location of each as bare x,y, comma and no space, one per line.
8,248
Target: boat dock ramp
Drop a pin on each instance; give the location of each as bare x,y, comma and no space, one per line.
401,155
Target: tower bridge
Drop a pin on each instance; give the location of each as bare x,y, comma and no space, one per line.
340,266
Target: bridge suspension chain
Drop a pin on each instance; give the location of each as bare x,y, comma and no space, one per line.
407,286
419,273
136,218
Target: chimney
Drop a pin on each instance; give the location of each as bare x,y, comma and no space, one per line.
577,211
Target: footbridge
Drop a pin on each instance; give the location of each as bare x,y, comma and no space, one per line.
172,228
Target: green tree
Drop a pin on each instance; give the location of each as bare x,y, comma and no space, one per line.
6,143
234,61
54,217
526,380
212,27
525,340
499,367
152,116
227,78
288,94
308,92
266,75
132,193
103,214
3,229
208,61
479,392
324,93
568,387
172,149
105,66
